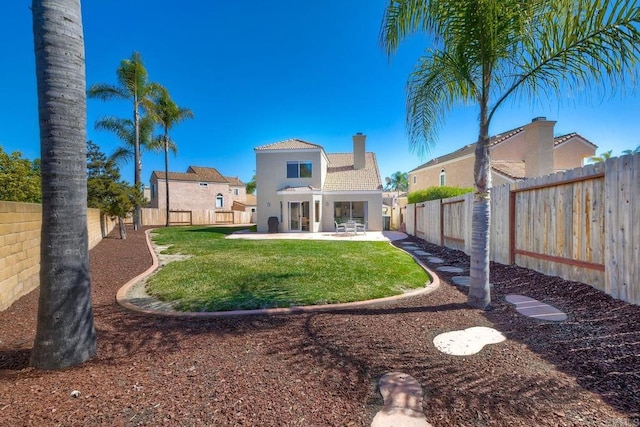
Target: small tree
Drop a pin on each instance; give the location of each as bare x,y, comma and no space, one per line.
106,191
19,178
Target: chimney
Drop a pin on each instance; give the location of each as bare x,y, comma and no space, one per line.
358,151
538,139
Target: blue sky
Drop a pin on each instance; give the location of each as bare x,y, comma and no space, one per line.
256,72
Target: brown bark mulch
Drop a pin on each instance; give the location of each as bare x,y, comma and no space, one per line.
321,369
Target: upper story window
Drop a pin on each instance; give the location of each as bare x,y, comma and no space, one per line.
219,201
297,169
415,179
203,184
443,176
235,192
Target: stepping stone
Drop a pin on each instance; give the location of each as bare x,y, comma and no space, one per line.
461,280
464,281
450,269
421,253
407,243
533,308
468,341
402,396
435,260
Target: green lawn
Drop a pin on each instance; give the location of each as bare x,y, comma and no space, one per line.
226,274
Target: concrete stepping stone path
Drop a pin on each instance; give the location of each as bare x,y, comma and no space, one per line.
533,308
468,341
450,269
402,395
435,260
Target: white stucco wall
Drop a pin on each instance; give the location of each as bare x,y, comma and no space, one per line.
271,176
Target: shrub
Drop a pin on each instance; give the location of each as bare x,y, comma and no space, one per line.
435,193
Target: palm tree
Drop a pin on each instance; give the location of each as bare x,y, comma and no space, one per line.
65,334
489,51
251,185
634,151
124,130
603,157
398,181
168,114
134,86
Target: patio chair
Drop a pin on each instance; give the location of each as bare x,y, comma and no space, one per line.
361,227
340,228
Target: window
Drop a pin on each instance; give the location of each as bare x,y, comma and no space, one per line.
153,191
235,191
442,178
345,211
316,208
219,201
297,169
415,179
203,184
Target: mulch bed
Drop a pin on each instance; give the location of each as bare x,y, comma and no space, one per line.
322,369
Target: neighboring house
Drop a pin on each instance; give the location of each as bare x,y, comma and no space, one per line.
525,152
307,189
199,188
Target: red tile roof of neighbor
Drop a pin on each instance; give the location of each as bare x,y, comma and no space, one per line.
513,169
495,140
200,173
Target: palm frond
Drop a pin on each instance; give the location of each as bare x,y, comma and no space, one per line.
121,128
585,45
439,83
106,92
402,18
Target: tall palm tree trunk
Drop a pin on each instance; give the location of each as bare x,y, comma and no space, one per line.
65,334
166,171
137,213
479,293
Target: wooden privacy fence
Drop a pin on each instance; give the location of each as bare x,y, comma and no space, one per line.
154,216
582,225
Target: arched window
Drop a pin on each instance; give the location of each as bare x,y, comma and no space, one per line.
219,201
442,178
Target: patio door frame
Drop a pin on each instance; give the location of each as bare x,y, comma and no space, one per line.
296,221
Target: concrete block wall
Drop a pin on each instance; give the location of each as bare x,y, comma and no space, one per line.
20,225
19,250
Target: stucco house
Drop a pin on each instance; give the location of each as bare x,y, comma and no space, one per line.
307,189
527,151
198,188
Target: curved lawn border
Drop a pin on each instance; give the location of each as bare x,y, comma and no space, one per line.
123,300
